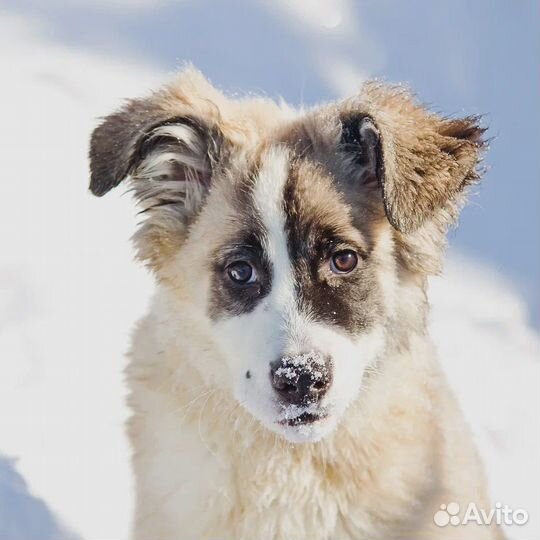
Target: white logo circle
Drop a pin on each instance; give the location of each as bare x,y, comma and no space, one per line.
453,510
448,514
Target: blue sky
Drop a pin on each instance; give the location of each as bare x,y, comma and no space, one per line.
461,57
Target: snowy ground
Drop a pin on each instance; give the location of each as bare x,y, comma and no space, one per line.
69,294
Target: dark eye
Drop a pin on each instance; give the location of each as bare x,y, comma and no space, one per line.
343,262
241,272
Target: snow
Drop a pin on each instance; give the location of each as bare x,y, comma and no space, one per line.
491,355
65,308
309,362
23,516
70,292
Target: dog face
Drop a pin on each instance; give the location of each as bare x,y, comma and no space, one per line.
295,297
289,235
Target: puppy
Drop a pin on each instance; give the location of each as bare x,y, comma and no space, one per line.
282,384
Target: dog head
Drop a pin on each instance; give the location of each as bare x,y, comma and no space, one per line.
287,238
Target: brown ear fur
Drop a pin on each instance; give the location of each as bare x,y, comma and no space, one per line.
167,144
113,143
427,159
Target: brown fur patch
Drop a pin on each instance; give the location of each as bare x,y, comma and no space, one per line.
319,223
243,241
428,160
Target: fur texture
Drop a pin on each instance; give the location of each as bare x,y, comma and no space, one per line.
274,395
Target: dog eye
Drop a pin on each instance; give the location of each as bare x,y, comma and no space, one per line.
241,272
343,262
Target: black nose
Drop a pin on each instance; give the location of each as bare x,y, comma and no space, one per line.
301,379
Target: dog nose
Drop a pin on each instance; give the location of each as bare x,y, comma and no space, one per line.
301,379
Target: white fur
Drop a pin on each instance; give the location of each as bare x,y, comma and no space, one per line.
254,340
157,170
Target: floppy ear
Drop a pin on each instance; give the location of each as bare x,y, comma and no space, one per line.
168,158
422,161
114,144
168,146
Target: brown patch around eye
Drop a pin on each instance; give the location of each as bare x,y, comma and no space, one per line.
319,226
242,243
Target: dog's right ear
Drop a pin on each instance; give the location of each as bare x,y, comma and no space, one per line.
115,143
168,157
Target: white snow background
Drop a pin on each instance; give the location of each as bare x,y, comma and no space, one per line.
70,292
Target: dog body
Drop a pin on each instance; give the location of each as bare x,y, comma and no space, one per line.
283,385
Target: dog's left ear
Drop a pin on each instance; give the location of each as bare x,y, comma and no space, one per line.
422,161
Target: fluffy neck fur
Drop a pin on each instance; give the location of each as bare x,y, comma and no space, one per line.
393,414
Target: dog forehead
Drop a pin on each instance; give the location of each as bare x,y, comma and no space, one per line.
286,203
289,187
300,200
